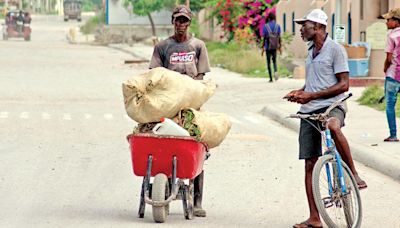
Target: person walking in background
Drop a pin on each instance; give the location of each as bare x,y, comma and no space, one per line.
188,56
327,79
392,70
271,43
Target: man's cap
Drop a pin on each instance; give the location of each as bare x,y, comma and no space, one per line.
182,10
394,13
315,15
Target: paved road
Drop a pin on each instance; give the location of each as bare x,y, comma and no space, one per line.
65,161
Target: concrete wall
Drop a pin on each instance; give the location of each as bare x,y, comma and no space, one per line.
362,16
209,29
129,33
119,15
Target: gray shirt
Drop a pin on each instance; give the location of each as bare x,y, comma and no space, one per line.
321,70
188,57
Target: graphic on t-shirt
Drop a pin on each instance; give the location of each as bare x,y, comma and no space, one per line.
182,57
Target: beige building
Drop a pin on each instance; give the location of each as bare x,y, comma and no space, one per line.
358,22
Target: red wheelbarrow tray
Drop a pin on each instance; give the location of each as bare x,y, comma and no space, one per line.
190,154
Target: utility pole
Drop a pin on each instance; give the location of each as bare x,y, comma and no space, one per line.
338,12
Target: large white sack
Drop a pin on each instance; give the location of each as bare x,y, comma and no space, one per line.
213,127
163,93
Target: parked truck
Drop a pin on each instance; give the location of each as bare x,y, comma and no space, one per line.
72,10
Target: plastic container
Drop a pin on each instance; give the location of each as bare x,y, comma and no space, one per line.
169,127
358,67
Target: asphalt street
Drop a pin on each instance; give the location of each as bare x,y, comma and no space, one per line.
65,161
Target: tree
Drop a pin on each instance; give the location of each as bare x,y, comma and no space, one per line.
145,8
195,5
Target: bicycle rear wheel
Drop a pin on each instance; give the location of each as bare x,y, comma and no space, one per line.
336,209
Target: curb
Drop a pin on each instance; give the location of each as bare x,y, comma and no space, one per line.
382,163
127,52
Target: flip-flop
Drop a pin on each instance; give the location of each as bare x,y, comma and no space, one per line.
361,184
305,224
391,139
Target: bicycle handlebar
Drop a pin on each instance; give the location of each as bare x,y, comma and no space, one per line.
321,116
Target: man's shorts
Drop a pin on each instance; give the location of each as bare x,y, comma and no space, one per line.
310,138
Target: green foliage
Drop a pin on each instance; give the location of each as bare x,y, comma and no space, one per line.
92,23
194,28
245,59
193,129
88,5
371,97
145,7
195,5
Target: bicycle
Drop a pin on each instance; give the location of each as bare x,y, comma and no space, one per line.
335,189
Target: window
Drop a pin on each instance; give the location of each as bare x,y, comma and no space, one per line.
293,24
349,27
284,22
362,9
333,25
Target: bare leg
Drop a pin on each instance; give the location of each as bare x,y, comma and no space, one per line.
314,219
343,147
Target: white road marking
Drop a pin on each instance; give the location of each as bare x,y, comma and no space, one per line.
45,116
3,115
108,116
24,115
252,119
67,116
88,116
235,120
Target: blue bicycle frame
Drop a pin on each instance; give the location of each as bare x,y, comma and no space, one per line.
332,149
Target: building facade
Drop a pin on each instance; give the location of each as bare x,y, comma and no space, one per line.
358,19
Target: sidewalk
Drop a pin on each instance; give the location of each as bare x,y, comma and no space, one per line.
365,127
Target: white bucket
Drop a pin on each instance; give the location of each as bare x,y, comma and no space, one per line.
169,127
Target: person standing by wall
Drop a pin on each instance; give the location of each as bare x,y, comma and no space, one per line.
186,55
327,79
271,44
392,70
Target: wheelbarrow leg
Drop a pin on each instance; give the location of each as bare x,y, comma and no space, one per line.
145,187
142,203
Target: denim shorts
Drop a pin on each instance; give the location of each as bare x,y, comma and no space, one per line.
310,138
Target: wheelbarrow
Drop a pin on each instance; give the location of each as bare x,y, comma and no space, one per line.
174,162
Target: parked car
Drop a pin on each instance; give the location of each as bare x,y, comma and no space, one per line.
17,25
72,10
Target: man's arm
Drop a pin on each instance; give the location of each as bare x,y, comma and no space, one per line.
203,64
263,47
156,59
342,86
388,61
199,76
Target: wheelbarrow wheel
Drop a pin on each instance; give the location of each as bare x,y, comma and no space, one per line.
158,193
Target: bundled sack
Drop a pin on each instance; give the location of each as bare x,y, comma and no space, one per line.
163,93
210,128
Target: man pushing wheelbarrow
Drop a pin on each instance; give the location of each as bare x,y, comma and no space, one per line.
168,93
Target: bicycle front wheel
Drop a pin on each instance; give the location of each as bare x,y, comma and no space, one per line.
336,208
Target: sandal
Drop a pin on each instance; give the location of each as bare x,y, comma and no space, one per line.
305,224
361,184
391,139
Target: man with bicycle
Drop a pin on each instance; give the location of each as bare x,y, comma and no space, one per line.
327,79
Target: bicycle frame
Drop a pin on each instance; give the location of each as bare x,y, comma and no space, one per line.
338,158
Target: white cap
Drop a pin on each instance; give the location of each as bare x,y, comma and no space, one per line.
315,15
